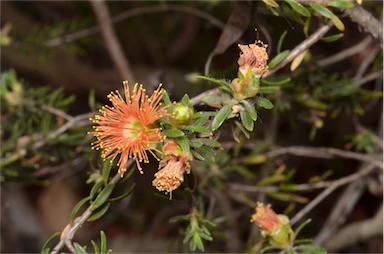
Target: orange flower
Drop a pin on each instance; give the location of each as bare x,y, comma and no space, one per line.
265,217
127,128
173,166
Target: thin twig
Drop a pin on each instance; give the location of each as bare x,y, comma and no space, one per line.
79,221
74,121
304,45
298,187
356,49
136,12
329,190
116,52
324,153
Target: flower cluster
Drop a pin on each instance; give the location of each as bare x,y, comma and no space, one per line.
172,168
252,66
274,227
128,127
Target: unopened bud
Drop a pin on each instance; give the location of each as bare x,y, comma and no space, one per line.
182,115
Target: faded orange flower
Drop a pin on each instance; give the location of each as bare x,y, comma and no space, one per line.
265,217
127,128
274,227
172,168
253,57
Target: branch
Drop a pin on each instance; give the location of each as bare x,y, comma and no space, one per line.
366,21
329,190
357,231
69,231
132,13
302,187
358,48
116,52
324,153
304,45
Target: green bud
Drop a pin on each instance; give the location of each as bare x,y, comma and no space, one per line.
182,115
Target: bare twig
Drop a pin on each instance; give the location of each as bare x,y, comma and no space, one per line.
74,121
132,13
325,153
70,230
117,54
298,187
366,21
356,49
367,61
357,231
329,190
303,46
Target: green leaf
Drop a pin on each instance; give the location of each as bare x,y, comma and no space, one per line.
166,98
99,212
221,116
297,7
324,11
173,133
92,100
129,191
280,42
219,82
95,189
264,103
198,129
280,82
95,247
250,109
103,244
78,206
302,225
278,59
197,155
183,143
271,3
247,120
243,130
79,249
106,170
195,143
102,197
209,142
185,101
268,89
44,249
311,249
340,4
332,38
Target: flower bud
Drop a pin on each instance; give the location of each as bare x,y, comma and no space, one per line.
246,88
182,115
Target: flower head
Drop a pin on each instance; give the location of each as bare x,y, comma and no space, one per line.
253,58
172,168
274,227
127,128
265,217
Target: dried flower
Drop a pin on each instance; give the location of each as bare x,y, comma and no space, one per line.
253,57
265,217
274,227
172,168
127,128
252,66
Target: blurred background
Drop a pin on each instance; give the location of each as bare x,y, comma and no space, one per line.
54,55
